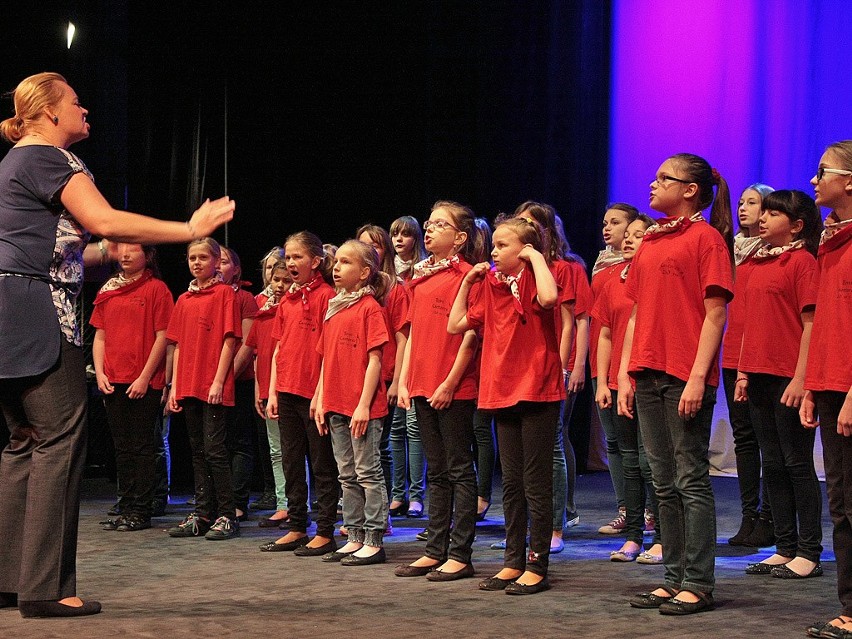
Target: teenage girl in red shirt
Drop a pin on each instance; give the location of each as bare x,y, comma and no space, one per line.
439,377
680,280
205,328
609,265
240,438
780,298
409,465
828,379
522,382
351,402
131,314
295,373
611,313
256,351
756,527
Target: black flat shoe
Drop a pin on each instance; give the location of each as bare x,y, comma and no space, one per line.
133,523
335,556
8,599
675,607
415,513
650,600
495,583
307,551
56,609
515,588
413,571
290,545
761,568
272,523
375,558
784,572
399,511
443,575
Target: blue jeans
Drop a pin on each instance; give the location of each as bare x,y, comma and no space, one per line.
365,499
638,484
787,448
564,465
613,454
408,469
677,452
448,443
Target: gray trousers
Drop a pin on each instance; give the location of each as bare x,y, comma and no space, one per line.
40,474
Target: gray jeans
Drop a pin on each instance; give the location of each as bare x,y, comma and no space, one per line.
365,498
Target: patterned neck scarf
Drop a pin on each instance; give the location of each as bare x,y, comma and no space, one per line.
344,300
429,266
671,225
402,267
302,290
512,282
267,292
119,281
767,250
608,257
744,247
216,279
270,302
240,284
833,226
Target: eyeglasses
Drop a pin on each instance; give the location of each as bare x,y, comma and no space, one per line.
438,225
821,171
662,177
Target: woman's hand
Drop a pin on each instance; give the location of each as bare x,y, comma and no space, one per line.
691,399
807,411
103,384
393,393
359,421
173,405
403,399
794,393
138,388
477,273
211,215
741,389
442,397
215,394
603,398
272,406
625,396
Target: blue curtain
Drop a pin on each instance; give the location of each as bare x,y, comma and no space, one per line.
757,87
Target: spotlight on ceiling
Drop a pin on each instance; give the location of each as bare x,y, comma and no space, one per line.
71,30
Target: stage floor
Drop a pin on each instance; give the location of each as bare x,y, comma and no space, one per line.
151,585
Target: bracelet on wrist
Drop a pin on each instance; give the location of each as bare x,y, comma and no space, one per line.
191,230
742,379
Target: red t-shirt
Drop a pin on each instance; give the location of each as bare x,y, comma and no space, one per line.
297,330
733,338
571,277
200,323
778,290
260,339
668,280
347,338
248,310
130,318
433,350
612,309
396,313
520,354
599,281
829,365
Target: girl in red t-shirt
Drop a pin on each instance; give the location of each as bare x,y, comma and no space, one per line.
609,265
756,526
408,462
131,314
828,379
294,375
611,312
521,381
780,298
439,377
240,438
680,281
395,310
256,351
350,400
205,328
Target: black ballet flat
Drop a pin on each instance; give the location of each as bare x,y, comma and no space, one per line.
650,600
413,571
494,584
761,568
443,575
400,510
785,572
515,588
55,609
676,607
376,558
285,547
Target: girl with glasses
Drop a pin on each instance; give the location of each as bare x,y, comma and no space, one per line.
680,282
828,377
439,378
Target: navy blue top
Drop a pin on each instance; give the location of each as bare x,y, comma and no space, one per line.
31,181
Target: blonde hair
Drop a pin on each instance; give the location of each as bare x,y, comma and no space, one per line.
381,281
210,243
32,95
